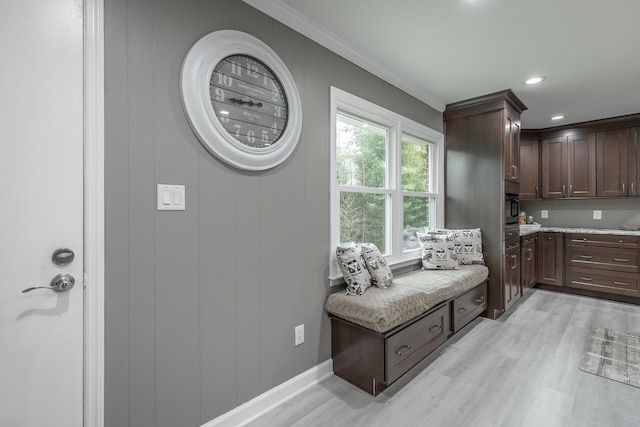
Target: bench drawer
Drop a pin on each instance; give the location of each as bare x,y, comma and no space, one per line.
410,345
469,305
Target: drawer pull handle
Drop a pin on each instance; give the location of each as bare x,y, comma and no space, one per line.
615,282
621,260
406,349
585,256
588,279
480,300
435,328
462,310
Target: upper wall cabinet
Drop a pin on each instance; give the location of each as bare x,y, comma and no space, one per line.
612,164
529,170
591,159
568,166
634,162
617,163
512,147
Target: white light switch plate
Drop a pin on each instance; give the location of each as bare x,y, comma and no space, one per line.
299,334
171,197
544,213
597,214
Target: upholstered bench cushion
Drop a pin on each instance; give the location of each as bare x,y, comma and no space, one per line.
409,296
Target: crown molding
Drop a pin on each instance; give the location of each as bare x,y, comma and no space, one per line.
281,12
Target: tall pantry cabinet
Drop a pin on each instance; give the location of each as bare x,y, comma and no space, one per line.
482,166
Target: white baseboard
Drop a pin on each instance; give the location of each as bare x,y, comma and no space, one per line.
262,404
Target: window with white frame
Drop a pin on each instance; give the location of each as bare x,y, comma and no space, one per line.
386,178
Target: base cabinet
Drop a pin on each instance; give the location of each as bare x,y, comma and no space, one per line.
603,263
511,273
550,258
528,262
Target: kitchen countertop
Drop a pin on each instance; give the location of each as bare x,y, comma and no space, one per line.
613,231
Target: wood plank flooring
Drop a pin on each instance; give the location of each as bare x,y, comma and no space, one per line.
521,370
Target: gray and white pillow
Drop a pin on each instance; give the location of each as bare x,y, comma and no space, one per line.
353,268
379,270
468,245
438,252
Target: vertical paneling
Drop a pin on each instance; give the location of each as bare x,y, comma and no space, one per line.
177,289
316,244
117,368
141,96
202,303
218,295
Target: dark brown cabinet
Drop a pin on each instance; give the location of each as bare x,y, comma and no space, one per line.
612,154
550,258
569,166
512,148
529,170
634,162
528,262
603,263
511,265
482,136
617,163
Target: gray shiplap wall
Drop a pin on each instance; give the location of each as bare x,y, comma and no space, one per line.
201,304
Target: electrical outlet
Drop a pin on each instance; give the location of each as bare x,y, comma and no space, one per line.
299,334
544,214
597,214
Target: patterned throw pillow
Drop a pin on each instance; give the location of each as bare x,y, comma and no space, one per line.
438,252
468,245
354,270
381,275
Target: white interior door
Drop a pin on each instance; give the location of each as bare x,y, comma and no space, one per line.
41,210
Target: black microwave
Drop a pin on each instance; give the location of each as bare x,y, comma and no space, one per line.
511,208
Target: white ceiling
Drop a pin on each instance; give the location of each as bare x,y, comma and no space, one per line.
443,51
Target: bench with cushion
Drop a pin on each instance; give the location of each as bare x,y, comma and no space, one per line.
378,336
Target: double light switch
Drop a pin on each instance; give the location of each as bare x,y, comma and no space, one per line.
171,197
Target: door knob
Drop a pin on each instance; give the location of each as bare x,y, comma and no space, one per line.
61,283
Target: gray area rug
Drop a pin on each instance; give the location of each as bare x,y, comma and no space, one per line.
612,354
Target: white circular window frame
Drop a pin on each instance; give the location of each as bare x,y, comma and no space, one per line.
195,77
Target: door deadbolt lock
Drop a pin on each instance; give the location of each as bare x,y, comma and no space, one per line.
63,256
61,283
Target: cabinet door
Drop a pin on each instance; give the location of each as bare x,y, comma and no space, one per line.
582,166
528,254
511,266
553,159
550,258
612,163
634,162
529,170
511,152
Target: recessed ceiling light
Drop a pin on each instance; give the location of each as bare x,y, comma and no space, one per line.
559,117
535,80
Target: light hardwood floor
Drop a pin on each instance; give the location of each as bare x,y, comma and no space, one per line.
521,370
